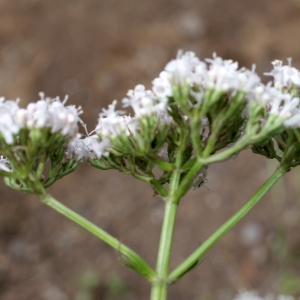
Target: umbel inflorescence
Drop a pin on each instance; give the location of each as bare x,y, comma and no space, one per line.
209,109
197,113
215,100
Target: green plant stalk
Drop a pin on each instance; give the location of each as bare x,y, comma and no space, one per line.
187,181
195,136
160,283
196,256
163,165
127,256
9,175
223,155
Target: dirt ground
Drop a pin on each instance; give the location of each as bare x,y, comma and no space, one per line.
94,51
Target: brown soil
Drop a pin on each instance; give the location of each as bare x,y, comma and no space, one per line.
95,51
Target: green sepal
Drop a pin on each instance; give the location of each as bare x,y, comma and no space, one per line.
100,164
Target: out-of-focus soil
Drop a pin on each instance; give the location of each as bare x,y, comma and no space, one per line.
95,51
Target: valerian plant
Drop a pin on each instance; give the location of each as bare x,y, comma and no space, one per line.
196,114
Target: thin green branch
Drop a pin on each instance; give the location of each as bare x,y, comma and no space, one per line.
198,254
221,156
162,164
127,256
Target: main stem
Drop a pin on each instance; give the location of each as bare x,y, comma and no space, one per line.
160,283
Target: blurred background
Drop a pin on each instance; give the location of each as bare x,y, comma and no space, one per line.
94,51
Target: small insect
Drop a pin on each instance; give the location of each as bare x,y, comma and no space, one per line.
201,179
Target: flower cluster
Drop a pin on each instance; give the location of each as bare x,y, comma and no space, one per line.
218,74
53,114
211,105
190,89
33,136
46,113
224,75
113,123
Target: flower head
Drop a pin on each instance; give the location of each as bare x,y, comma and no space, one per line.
51,113
9,123
146,103
162,87
87,148
112,123
284,76
186,68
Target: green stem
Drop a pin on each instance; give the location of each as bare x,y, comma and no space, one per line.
162,164
195,136
10,175
158,187
221,156
160,283
127,256
196,256
187,181
212,139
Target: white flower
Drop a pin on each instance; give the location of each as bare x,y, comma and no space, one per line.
282,104
111,112
9,124
277,103
289,107
186,68
248,296
65,119
36,115
112,124
222,74
4,164
284,76
262,94
247,80
79,148
46,113
141,101
267,95
294,120
162,86
87,148
100,148
144,103
51,113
